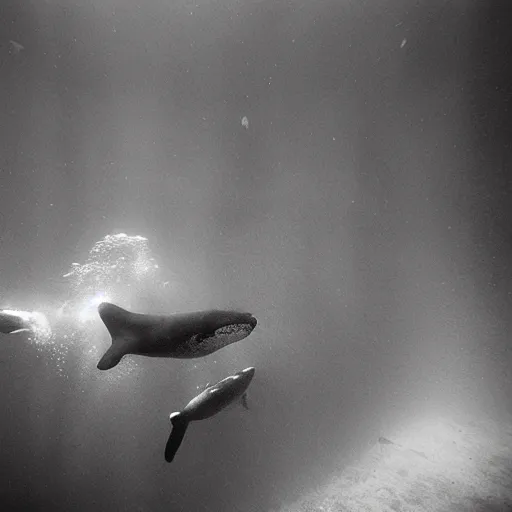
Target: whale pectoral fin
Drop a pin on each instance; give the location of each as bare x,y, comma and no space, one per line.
175,438
244,401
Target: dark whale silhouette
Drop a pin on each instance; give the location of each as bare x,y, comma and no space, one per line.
182,336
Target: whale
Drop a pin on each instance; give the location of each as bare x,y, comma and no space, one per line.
180,336
209,402
13,321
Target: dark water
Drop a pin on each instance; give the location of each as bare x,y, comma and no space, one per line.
362,215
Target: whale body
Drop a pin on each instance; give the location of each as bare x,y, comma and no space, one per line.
181,336
205,405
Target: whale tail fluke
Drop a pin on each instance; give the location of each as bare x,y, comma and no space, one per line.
111,357
179,427
118,321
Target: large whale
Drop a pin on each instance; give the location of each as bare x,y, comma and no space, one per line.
182,336
13,321
208,403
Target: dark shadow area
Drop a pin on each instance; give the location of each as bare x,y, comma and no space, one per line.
490,93
490,117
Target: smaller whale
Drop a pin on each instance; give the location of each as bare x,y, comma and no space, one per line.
181,336
208,403
13,322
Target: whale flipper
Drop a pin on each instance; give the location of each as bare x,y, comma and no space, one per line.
244,401
118,321
179,427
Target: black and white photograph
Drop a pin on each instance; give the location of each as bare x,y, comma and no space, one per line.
255,256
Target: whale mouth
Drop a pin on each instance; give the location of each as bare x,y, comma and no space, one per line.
252,322
236,330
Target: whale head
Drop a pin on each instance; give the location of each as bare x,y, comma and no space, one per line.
219,329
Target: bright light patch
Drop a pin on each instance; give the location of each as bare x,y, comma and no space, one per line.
116,269
88,311
24,315
36,322
117,262
41,325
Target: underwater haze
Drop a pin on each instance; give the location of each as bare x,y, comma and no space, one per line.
340,170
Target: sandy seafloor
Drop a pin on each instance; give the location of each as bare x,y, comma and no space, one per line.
435,464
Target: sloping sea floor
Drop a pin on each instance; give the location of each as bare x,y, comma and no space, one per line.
432,465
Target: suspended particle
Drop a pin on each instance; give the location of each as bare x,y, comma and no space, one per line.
16,47
245,122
